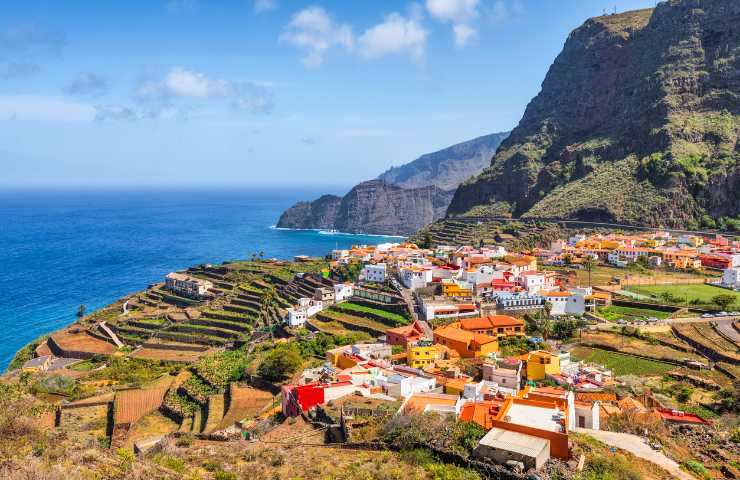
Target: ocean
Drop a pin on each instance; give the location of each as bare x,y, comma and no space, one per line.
63,248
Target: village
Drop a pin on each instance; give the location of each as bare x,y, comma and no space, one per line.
629,339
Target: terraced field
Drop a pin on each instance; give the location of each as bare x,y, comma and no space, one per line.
704,334
389,319
638,346
352,323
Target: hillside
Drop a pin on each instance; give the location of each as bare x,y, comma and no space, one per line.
401,200
447,168
637,121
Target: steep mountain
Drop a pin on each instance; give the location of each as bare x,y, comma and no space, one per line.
446,168
637,121
402,199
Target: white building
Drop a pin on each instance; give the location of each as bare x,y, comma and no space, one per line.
415,277
506,373
296,317
374,273
339,254
397,385
186,285
342,291
307,307
731,278
566,303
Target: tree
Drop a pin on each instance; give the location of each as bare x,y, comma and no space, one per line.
80,311
723,300
589,263
280,363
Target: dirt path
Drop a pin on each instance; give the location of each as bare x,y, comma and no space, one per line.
637,447
725,326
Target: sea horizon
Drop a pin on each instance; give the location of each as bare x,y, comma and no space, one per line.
67,247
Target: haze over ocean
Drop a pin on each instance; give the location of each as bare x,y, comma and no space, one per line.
64,248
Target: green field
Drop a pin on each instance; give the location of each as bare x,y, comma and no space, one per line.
614,312
393,317
700,292
621,364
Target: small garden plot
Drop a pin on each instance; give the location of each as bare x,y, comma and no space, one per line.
616,312
621,364
392,318
686,294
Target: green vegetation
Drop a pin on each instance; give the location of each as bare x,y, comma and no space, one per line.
615,312
622,364
696,468
25,354
395,318
697,294
221,368
132,371
319,344
280,363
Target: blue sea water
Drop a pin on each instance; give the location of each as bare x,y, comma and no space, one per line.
63,248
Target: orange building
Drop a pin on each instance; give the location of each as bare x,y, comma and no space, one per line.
467,344
483,413
494,325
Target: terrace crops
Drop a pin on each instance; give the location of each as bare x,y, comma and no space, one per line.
394,319
621,364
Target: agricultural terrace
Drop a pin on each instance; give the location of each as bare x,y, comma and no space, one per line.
393,319
616,312
621,364
646,346
699,294
605,274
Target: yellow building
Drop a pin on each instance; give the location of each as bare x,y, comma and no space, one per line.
421,353
540,363
451,288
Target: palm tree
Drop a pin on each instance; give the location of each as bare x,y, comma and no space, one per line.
589,264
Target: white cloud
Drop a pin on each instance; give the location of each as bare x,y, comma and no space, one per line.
397,35
43,108
461,13
168,94
313,30
180,82
453,10
264,5
463,33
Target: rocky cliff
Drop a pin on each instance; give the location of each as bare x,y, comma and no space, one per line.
401,200
446,168
637,121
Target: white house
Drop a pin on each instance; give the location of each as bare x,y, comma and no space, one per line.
586,415
187,286
566,303
415,277
397,385
506,373
339,254
731,278
342,291
307,307
374,273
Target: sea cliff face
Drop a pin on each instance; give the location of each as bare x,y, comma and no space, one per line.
637,122
401,200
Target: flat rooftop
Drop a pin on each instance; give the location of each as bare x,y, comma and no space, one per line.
534,416
516,442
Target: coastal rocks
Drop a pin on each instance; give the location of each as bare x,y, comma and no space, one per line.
372,207
402,199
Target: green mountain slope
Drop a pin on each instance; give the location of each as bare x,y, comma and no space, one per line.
637,122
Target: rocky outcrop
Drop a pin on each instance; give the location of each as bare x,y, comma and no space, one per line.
637,122
381,208
401,200
319,214
448,168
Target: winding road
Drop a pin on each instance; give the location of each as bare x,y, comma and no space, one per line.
639,448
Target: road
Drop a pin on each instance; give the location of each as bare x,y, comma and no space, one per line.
408,295
726,328
637,447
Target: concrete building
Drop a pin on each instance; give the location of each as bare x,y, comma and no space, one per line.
187,286
466,344
731,278
506,373
374,273
503,446
500,326
343,291
414,277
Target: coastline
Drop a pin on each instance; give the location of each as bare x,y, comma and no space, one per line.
322,231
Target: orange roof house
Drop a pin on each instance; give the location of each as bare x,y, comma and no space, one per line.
467,344
482,413
494,325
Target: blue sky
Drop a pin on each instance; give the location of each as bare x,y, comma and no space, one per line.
266,92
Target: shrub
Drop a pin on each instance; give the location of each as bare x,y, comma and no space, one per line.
696,467
278,364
